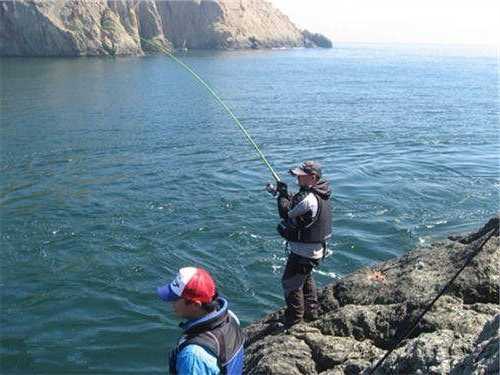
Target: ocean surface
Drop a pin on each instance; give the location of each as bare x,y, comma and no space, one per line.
115,172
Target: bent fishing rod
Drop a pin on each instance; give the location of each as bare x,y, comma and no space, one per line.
220,101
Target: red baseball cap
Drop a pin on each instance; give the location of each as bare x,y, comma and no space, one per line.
192,284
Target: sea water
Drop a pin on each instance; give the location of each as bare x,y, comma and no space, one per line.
115,172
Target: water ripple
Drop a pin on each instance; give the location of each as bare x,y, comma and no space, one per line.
103,197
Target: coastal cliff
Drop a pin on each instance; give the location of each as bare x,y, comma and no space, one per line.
363,314
135,27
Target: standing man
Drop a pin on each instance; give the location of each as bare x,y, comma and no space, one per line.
212,342
306,225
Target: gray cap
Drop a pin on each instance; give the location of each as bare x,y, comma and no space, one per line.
309,167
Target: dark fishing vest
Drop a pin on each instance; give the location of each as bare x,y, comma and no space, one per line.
308,229
220,335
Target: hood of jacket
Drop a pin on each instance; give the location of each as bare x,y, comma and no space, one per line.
322,189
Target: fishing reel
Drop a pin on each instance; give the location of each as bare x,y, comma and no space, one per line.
271,189
281,189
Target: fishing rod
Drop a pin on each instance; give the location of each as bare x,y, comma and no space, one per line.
221,102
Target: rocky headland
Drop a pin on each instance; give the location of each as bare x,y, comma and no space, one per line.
136,27
365,313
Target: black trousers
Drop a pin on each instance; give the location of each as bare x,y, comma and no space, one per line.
300,290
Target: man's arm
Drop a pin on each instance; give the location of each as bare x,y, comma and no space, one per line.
284,199
304,211
300,209
283,206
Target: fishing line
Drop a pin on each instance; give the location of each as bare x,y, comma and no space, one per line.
219,100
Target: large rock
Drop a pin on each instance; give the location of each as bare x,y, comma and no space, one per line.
369,311
133,27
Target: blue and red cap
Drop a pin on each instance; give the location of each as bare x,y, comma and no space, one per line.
192,284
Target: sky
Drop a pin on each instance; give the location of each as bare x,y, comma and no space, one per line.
399,21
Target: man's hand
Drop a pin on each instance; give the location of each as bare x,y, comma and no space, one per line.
282,189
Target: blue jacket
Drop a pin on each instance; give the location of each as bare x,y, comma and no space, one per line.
212,344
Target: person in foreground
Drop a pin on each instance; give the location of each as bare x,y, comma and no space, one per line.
306,225
212,340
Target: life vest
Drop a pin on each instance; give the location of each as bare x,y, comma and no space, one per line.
308,229
220,334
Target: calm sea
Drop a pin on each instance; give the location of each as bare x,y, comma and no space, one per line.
116,172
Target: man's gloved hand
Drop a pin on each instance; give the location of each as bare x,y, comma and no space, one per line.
282,189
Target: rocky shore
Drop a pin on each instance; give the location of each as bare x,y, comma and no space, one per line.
364,314
136,27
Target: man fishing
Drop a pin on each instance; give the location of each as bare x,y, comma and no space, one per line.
212,342
306,225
